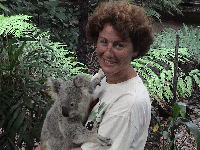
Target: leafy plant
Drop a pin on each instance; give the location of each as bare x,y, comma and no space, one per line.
178,119
27,58
189,38
154,8
157,69
17,26
3,7
39,47
57,17
20,97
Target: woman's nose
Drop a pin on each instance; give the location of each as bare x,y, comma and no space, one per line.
109,51
110,46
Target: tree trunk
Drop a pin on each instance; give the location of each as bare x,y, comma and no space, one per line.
82,50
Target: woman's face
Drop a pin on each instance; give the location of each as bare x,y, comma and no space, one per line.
114,54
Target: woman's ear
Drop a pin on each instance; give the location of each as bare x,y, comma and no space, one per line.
135,54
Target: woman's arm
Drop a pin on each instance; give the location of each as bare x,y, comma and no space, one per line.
76,148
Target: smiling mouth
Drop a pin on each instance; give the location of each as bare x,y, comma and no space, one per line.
109,62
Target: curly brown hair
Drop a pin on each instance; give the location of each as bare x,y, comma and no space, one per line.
128,19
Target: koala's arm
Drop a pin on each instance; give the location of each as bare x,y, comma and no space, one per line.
96,79
83,135
98,76
76,148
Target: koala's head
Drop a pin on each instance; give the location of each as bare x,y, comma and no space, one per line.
73,97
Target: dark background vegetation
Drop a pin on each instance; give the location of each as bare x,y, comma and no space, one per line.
42,38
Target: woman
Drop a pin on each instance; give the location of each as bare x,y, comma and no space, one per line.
121,32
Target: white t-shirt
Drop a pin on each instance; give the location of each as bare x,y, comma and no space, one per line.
123,114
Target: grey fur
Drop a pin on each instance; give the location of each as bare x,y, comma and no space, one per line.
62,128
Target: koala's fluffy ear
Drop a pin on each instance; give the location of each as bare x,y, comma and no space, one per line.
54,84
79,81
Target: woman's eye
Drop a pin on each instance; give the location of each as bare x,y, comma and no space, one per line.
103,41
119,45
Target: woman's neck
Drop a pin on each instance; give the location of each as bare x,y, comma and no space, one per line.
121,76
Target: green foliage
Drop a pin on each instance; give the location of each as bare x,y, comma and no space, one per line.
179,110
27,58
152,13
153,8
195,131
57,17
3,7
22,98
39,47
189,38
179,118
16,26
157,70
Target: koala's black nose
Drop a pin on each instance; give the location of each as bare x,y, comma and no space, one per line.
65,111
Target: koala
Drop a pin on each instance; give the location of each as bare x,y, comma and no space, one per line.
63,126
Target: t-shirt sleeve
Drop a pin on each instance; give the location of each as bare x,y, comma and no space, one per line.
123,123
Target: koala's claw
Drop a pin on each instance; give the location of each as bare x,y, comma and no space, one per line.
105,141
101,73
109,142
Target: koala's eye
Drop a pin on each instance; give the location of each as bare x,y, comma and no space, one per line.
72,104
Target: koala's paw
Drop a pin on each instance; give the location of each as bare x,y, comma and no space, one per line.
101,73
106,142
